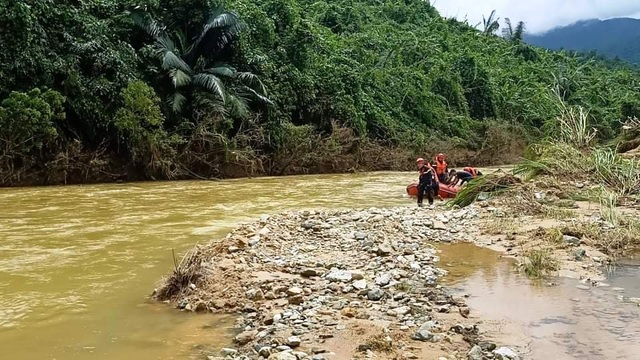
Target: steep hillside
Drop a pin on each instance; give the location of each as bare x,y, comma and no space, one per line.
155,89
618,37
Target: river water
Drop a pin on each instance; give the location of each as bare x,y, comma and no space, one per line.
78,262
553,318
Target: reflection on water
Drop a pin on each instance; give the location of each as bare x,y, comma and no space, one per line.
77,262
562,321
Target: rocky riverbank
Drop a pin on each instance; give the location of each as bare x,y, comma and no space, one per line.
364,283
337,284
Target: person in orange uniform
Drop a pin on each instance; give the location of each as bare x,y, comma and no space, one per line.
441,167
468,174
427,182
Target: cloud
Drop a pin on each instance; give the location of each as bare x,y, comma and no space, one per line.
538,15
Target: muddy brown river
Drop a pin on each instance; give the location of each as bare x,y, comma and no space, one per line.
78,262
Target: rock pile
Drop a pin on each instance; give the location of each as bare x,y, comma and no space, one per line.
302,281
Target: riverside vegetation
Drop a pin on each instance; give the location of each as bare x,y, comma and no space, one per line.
170,89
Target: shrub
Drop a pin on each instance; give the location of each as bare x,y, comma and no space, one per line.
27,126
140,122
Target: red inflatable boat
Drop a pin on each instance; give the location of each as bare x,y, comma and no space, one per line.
445,191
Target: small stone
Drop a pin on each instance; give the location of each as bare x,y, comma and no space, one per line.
325,336
255,240
364,347
228,351
226,264
308,224
384,249
504,353
439,225
245,337
487,346
283,356
360,236
360,284
464,311
293,291
265,351
383,280
293,341
403,310
337,275
233,249
309,273
475,353
424,333
571,240
356,275
579,254
375,294
296,300
255,294
300,355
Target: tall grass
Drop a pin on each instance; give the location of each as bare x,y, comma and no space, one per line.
608,209
571,125
618,173
539,263
569,153
550,158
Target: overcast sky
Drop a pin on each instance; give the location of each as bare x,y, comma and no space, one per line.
538,15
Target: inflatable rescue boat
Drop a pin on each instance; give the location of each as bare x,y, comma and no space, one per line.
445,191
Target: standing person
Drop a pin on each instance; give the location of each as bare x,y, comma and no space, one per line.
441,167
427,182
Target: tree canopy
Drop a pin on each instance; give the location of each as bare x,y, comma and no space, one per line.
186,88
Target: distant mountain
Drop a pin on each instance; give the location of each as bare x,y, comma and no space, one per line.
618,37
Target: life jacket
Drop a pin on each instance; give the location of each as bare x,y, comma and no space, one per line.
472,171
441,167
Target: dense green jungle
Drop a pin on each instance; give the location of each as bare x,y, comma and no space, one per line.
105,90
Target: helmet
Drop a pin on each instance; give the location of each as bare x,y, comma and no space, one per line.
419,160
440,155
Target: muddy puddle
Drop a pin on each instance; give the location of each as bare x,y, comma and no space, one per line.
552,319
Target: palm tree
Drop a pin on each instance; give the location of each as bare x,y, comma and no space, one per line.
490,24
512,34
195,68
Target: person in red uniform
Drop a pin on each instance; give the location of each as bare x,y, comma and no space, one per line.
441,168
427,182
